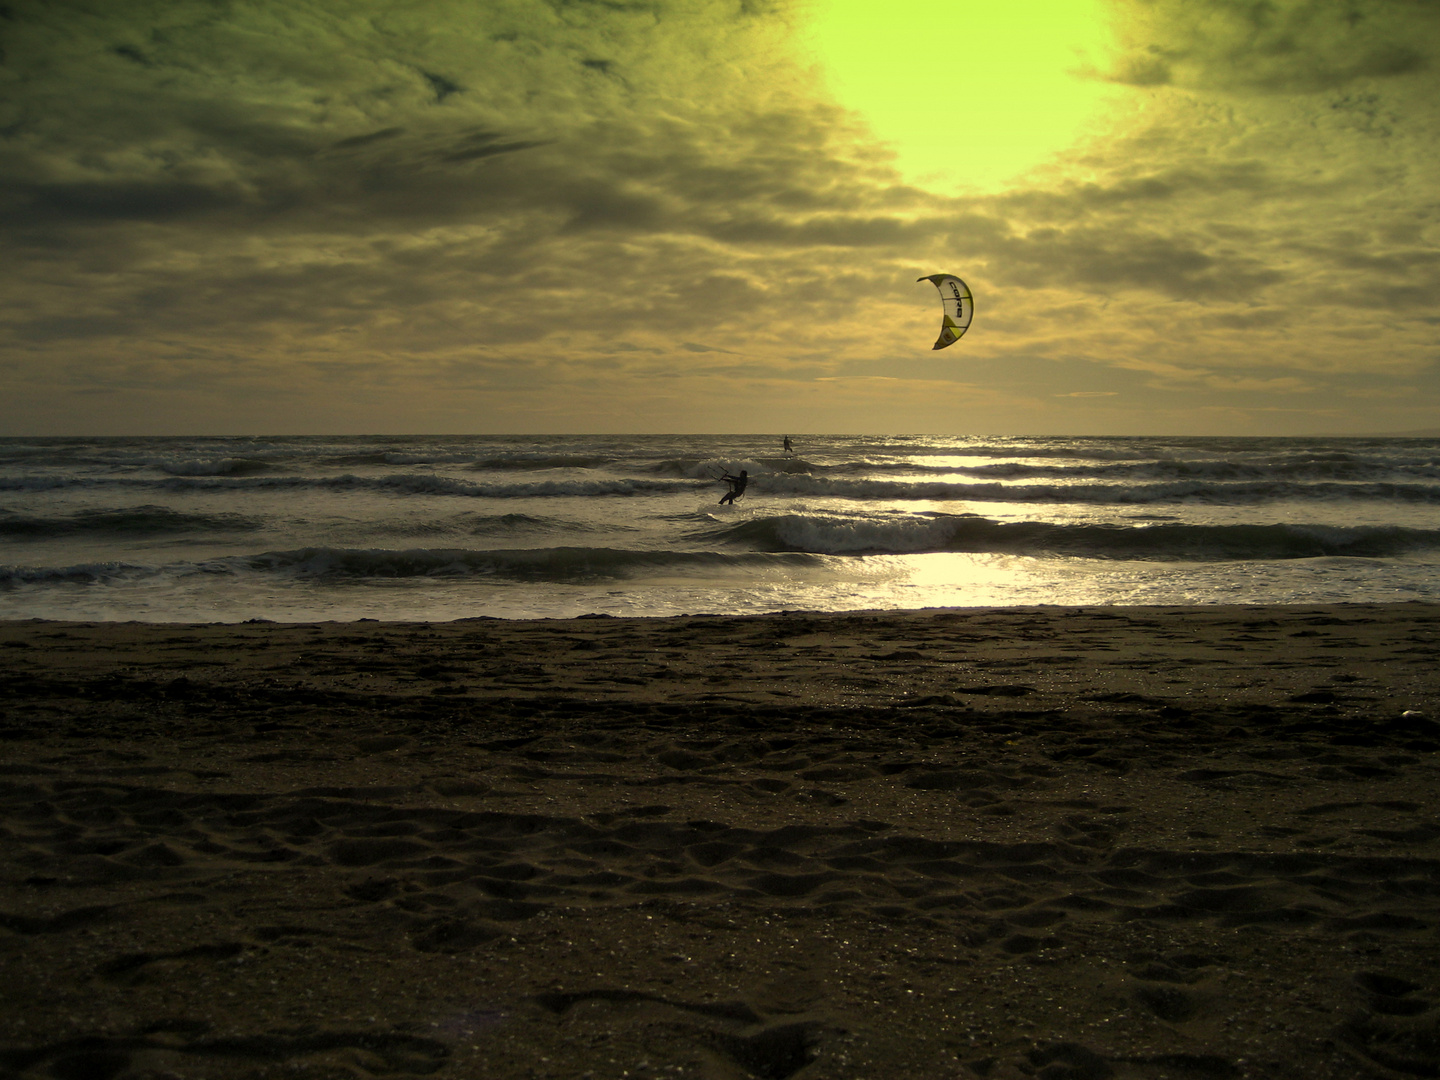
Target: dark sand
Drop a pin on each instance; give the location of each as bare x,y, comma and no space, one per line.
1048,843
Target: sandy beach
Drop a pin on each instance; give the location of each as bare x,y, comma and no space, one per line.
1041,842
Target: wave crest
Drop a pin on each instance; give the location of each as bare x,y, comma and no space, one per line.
225,466
916,534
130,521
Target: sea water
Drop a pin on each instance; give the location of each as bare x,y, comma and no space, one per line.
438,528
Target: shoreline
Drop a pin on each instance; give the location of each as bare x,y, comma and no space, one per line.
962,842
1168,610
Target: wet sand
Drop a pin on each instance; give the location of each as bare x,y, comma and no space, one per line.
1056,843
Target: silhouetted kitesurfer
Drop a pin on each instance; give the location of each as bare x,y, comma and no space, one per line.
737,486
789,449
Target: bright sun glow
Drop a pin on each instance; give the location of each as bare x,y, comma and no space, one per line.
968,95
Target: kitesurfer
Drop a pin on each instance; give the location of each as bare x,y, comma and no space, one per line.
737,487
789,449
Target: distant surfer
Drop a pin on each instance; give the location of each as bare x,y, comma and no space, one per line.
789,448
737,487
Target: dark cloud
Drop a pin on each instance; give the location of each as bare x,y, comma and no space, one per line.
130,52
1104,261
72,327
356,141
694,347
1278,46
442,86
484,144
95,201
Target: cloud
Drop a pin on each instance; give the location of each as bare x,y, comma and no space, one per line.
1283,46
269,194
694,347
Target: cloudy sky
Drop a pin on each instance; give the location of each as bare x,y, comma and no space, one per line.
449,216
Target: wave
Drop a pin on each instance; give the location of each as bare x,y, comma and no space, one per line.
79,574
518,460
42,483
707,468
351,460
397,484
1143,448
1200,491
700,476
140,521
915,534
556,564
786,544
516,524
781,485
551,563
1341,468
487,525
225,466
189,462
544,461
130,521
1326,467
418,484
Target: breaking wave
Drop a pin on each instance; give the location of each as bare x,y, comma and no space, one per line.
775,484
916,534
784,542
566,564
225,466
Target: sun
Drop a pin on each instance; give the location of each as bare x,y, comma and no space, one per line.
969,95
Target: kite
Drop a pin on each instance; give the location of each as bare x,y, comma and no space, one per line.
959,307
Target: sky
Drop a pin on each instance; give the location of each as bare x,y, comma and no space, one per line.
1182,217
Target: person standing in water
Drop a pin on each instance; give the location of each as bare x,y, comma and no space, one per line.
789,449
737,487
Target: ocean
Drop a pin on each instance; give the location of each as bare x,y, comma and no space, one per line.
512,527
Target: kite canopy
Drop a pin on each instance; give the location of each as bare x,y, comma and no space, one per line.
959,307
